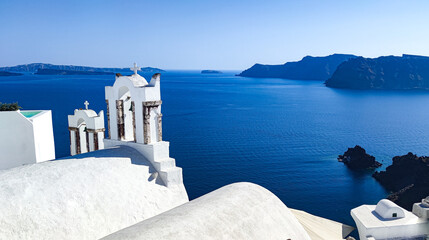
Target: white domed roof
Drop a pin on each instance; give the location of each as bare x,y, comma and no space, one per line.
137,80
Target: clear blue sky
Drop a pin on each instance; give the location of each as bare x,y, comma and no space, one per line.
221,34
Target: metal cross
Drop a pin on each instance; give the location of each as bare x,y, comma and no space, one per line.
135,68
86,103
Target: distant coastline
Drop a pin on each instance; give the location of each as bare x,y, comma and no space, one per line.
69,72
9,74
34,67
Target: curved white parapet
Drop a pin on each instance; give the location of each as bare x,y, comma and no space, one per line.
84,197
236,211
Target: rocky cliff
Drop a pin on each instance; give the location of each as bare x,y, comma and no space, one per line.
400,73
309,68
407,178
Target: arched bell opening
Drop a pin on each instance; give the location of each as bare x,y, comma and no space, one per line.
82,143
125,115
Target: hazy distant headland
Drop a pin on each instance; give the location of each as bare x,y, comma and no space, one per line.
390,72
69,72
8,74
349,71
309,68
34,67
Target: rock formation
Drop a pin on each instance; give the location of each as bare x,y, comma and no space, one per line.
407,178
357,158
400,73
309,68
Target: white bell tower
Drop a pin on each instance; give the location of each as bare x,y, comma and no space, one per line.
86,130
134,109
134,119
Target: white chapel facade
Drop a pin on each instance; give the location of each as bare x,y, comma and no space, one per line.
86,130
134,109
134,119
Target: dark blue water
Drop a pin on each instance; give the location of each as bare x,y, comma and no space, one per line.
284,135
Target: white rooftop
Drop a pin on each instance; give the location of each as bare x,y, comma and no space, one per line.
387,220
371,219
137,80
236,211
83,197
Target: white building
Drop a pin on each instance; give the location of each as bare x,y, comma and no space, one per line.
387,220
86,130
25,137
134,118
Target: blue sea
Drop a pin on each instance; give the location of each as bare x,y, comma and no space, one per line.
282,134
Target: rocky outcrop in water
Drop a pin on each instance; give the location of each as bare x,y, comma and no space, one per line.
309,68
357,158
407,178
396,73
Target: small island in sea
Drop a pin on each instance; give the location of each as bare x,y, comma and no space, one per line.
357,158
407,178
390,72
210,72
309,68
9,74
69,72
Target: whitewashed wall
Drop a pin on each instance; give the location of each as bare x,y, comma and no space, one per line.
44,136
24,141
